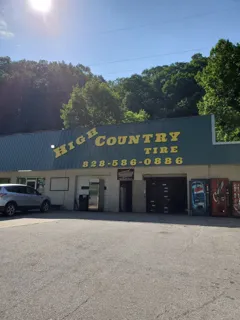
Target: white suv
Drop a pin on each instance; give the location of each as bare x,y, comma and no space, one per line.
14,197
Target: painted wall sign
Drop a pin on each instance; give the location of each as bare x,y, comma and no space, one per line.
166,142
182,141
152,144
100,141
66,147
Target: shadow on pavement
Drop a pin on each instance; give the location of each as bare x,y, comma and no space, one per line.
228,222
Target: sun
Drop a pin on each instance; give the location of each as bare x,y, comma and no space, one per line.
41,5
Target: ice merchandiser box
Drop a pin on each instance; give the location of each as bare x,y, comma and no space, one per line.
199,197
219,197
235,196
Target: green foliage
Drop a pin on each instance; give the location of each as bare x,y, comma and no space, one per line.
221,82
166,91
94,104
34,94
130,116
4,67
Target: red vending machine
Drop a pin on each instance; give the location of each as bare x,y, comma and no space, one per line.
220,200
235,194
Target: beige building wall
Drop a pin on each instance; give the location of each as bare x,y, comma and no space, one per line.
78,178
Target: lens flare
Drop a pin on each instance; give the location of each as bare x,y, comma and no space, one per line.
41,5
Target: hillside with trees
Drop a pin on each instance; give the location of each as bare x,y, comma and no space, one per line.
45,95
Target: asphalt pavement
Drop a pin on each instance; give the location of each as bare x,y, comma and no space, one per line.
113,267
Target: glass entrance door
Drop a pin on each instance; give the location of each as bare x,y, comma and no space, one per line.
32,183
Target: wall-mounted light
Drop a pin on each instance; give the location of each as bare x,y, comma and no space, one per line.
52,146
24,170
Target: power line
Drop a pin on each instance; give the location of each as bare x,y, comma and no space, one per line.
143,26
146,57
197,15
146,25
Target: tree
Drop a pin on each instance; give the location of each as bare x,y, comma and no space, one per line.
131,117
4,67
136,94
94,104
221,82
163,91
32,93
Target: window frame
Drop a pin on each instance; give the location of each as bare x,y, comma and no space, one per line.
4,182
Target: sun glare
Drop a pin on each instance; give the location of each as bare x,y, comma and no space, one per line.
41,5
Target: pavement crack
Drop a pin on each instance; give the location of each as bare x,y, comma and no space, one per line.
76,309
192,240
200,307
161,314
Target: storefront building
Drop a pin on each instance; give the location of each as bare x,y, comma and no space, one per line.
165,166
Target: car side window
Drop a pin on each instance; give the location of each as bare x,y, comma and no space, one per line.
12,189
31,191
22,190
16,189
8,189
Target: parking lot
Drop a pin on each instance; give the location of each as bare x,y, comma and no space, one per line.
119,266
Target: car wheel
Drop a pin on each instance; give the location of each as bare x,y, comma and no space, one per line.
45,206
10,209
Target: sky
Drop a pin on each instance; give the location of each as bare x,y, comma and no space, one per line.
116,38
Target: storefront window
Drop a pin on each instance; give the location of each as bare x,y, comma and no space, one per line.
5,180
21,180
36,183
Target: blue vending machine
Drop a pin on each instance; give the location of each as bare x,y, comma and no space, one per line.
200,197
